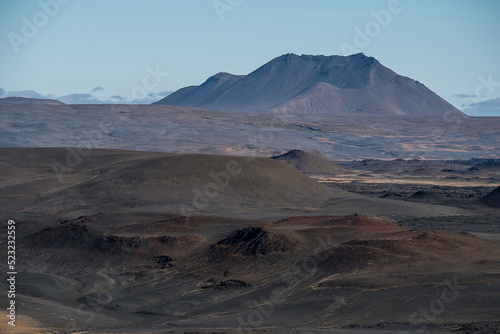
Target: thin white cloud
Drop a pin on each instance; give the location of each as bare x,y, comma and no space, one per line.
463,96
118,98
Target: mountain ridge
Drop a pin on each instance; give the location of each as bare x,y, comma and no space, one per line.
26,100
316,84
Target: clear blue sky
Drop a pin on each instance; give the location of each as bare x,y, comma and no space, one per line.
93,50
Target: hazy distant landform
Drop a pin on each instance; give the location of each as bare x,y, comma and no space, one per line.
314,195
25,100
485,108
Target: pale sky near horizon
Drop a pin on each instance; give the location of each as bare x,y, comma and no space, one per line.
91,51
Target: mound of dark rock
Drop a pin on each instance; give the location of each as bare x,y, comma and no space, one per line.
82,237
229,284
251,241
492,199
358,254
427,195
67,235
163,262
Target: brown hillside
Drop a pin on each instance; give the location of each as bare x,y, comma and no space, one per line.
308,162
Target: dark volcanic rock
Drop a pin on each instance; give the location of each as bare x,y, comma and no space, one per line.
229,284
492,199
427,195
256,241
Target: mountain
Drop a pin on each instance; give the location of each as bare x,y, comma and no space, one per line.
25,100
310,163
355,84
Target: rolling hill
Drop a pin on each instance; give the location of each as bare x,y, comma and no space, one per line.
310,163
152,182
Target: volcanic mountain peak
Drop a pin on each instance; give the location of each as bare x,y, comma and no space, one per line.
312,84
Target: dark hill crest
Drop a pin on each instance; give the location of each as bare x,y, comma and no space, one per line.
492,199
310,163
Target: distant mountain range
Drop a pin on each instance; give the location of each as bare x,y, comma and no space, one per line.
307,84
25,100
484,108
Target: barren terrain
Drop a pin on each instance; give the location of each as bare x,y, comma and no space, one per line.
134,241
190,130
